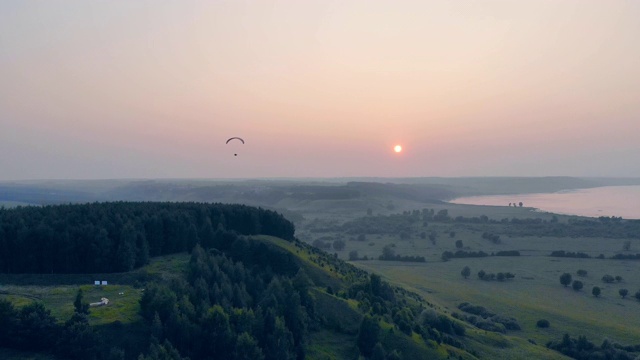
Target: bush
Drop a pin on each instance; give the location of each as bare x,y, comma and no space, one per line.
623,292
595,291
582,273
542,323
608,279
577,285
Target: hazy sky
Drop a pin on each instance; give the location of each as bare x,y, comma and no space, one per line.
152,89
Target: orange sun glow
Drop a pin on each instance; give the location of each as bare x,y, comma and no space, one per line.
397,148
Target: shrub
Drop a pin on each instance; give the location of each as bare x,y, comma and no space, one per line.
565,279
608,279
623,292
481,274
542,323
595,291
582,272
577,285
466,272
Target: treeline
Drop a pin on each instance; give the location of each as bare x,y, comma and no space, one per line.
462,254
582,349
405,258
388,254
482,275
485,319
626,257
121,236
507,253
569,254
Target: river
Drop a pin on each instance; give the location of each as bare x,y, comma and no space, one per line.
622,201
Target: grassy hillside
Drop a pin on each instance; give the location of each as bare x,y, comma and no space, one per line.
535,293
334,336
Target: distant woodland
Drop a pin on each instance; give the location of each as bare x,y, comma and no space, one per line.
121,236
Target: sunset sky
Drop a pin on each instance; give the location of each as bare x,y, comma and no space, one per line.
153,89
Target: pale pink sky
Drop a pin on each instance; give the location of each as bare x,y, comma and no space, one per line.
152,89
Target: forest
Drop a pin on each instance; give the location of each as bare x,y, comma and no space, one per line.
121,236
239,297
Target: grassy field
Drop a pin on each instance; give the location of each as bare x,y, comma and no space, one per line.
535,293
59,293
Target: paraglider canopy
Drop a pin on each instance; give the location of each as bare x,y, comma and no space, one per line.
237,138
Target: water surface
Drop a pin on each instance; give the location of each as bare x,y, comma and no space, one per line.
623,201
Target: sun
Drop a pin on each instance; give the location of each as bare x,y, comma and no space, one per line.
397,148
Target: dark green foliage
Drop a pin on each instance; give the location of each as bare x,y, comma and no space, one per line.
488,320
164,351
501,276
508,253
80,306
368,335
466,271
459,244
119,236
378,352
623,292
36,329
404,320
78,340
637,295
463,254
247,348
430,321
442,215
576,227
565,279
626,257
582,273
577,285
569,254
8,323
481,274
583,349
475,309
608,279
595,291
388,254
432,237
223,307
492,237
542,323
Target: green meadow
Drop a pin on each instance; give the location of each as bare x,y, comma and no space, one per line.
534,293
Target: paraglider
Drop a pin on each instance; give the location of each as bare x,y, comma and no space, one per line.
235,138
